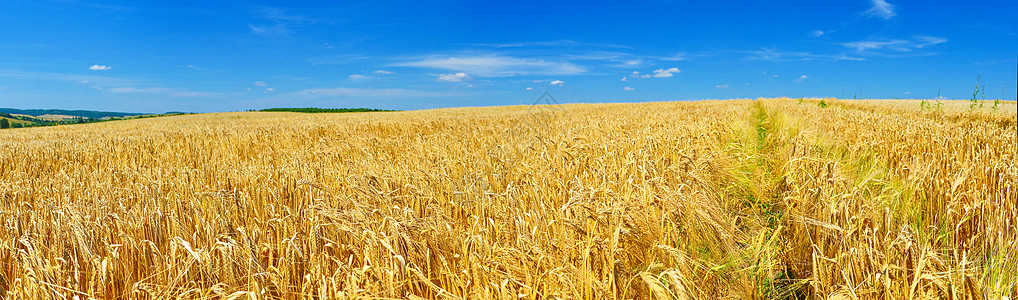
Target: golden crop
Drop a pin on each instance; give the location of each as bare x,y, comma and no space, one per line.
774,198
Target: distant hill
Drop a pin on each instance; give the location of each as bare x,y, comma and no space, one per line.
323,110
72,113
18,118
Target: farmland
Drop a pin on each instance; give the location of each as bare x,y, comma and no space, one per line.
739,199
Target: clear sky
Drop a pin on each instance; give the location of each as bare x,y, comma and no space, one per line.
204,56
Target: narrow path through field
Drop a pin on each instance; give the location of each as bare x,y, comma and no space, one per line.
756,185
821,212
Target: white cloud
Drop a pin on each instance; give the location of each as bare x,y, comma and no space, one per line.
529,88
383,72
801,78
453,77
881,9
269,90
722,86
260,83
623,78
99,68
817,33
665,73
627,89
496,66
558,82
659,73
357,77
82,81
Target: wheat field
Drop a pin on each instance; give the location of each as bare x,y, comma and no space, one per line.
736,199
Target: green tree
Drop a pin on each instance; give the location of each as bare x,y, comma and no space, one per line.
4,124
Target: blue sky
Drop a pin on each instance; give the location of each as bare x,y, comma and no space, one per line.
205,56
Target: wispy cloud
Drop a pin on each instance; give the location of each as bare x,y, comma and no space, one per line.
897,45
279,14
338,59
279,21
495,65
801,78
924,40
676,57
99,80
134,90
99,68
279,30
619,59
559,43
721,86
770,54
881,9
876,47
161,90
996,61
528,44
193,67
817,33
453,77
627,89
260,83
357,77
558,82
383,72
857,50
370,93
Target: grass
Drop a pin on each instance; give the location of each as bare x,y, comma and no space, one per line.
773,198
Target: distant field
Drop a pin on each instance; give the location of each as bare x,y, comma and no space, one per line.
15,121
739,199
54,117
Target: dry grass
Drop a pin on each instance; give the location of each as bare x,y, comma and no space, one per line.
720,199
